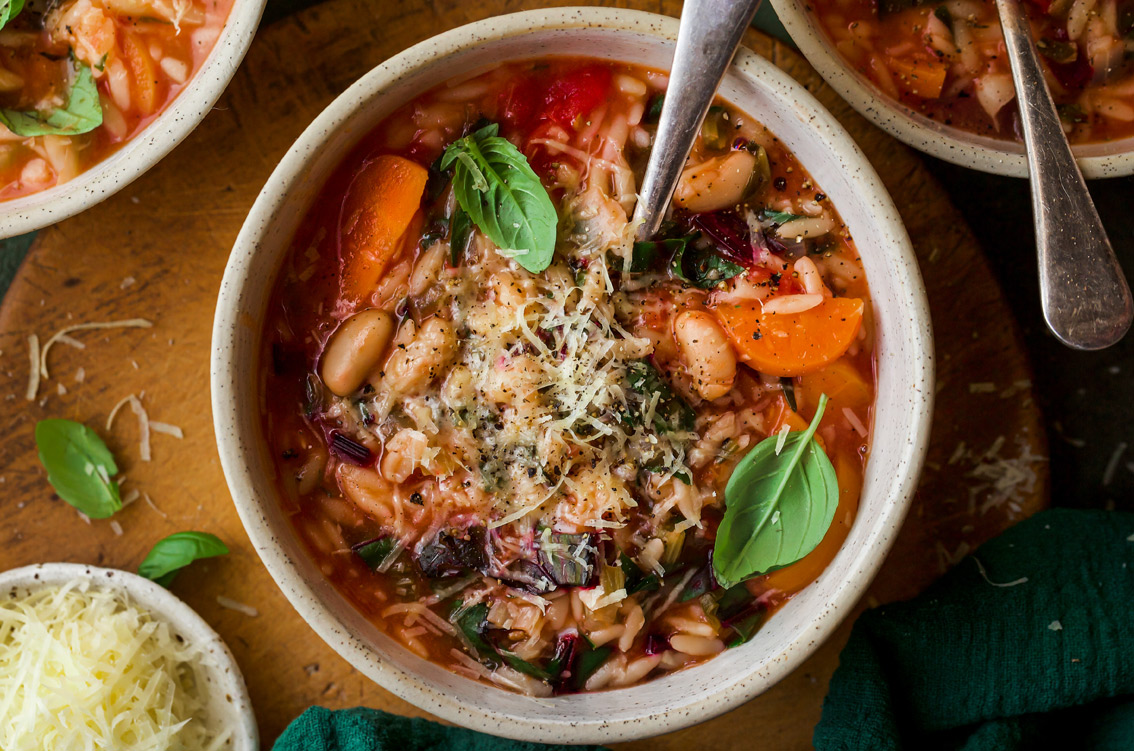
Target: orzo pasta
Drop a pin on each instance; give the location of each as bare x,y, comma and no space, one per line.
946,59
507,432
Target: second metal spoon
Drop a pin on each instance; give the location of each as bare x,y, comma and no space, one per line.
1086,300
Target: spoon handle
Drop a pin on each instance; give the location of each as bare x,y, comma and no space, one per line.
706,41
1086,300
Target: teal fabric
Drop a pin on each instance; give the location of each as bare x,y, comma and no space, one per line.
976,665
359,729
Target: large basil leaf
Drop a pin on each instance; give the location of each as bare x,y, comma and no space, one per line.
177,551
81,114
496,186
777,506
79,466
9,9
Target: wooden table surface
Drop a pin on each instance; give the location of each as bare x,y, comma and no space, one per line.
157,250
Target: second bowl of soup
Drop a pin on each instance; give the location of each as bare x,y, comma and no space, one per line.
529,473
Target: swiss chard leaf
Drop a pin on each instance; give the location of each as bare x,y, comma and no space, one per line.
503,196
779,217
176,552
637,580
672,414
473,623
702,267
375,552
648,253
81,114
777,506
587,663
9,9
79,466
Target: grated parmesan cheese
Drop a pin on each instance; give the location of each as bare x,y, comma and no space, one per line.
240,607
81,667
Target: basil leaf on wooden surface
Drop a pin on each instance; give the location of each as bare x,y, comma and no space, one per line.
503,196
81,114
176,552
9,9
778,506
79,466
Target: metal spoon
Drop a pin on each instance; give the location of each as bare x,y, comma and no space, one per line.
706,41
1086,300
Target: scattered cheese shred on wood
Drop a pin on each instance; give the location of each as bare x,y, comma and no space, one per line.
33,376
145,425
81,667
240,607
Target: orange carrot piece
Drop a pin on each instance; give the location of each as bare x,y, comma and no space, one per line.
918,76
377,210
842,384
795,343
144,78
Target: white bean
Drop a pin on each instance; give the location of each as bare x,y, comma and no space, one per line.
409,370
696,646
355,349
706,353
715,184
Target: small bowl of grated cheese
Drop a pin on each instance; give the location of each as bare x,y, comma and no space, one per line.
99,658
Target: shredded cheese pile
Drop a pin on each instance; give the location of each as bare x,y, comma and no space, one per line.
82,668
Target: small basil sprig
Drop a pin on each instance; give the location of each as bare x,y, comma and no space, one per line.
81,114
777,506
9,9
79,466
503,196
176,552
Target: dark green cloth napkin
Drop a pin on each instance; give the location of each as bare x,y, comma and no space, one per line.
359,729
1027,644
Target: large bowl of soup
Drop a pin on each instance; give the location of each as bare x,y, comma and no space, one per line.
936,75
95,92
534,476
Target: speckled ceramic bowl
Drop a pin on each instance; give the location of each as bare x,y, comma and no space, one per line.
1113,159
228,704
905,385
146,148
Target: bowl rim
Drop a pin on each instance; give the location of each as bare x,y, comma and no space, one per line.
150,145
945,142
304,597
162,604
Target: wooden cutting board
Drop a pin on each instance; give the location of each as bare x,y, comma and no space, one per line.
157,250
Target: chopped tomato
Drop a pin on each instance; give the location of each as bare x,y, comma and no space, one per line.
517,104
791,344
576,93
381,203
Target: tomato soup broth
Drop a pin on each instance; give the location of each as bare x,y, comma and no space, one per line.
947,60
79,81
521,474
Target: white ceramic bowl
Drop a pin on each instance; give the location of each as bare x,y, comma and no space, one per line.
905,386
1098,160
228,706
147,147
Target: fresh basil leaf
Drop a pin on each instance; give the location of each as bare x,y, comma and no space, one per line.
503,196
672,414
777,506
79,466
460,230
779,217
81,114
176,552
702,267
9,9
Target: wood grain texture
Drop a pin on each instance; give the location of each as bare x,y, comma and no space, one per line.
158,249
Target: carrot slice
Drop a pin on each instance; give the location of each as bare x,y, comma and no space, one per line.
842,384
377,210
795,343
143,73
918,76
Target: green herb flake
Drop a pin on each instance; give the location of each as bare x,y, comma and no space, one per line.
503,196
672,415
778,506
79,466
177,551
779,217
81,114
